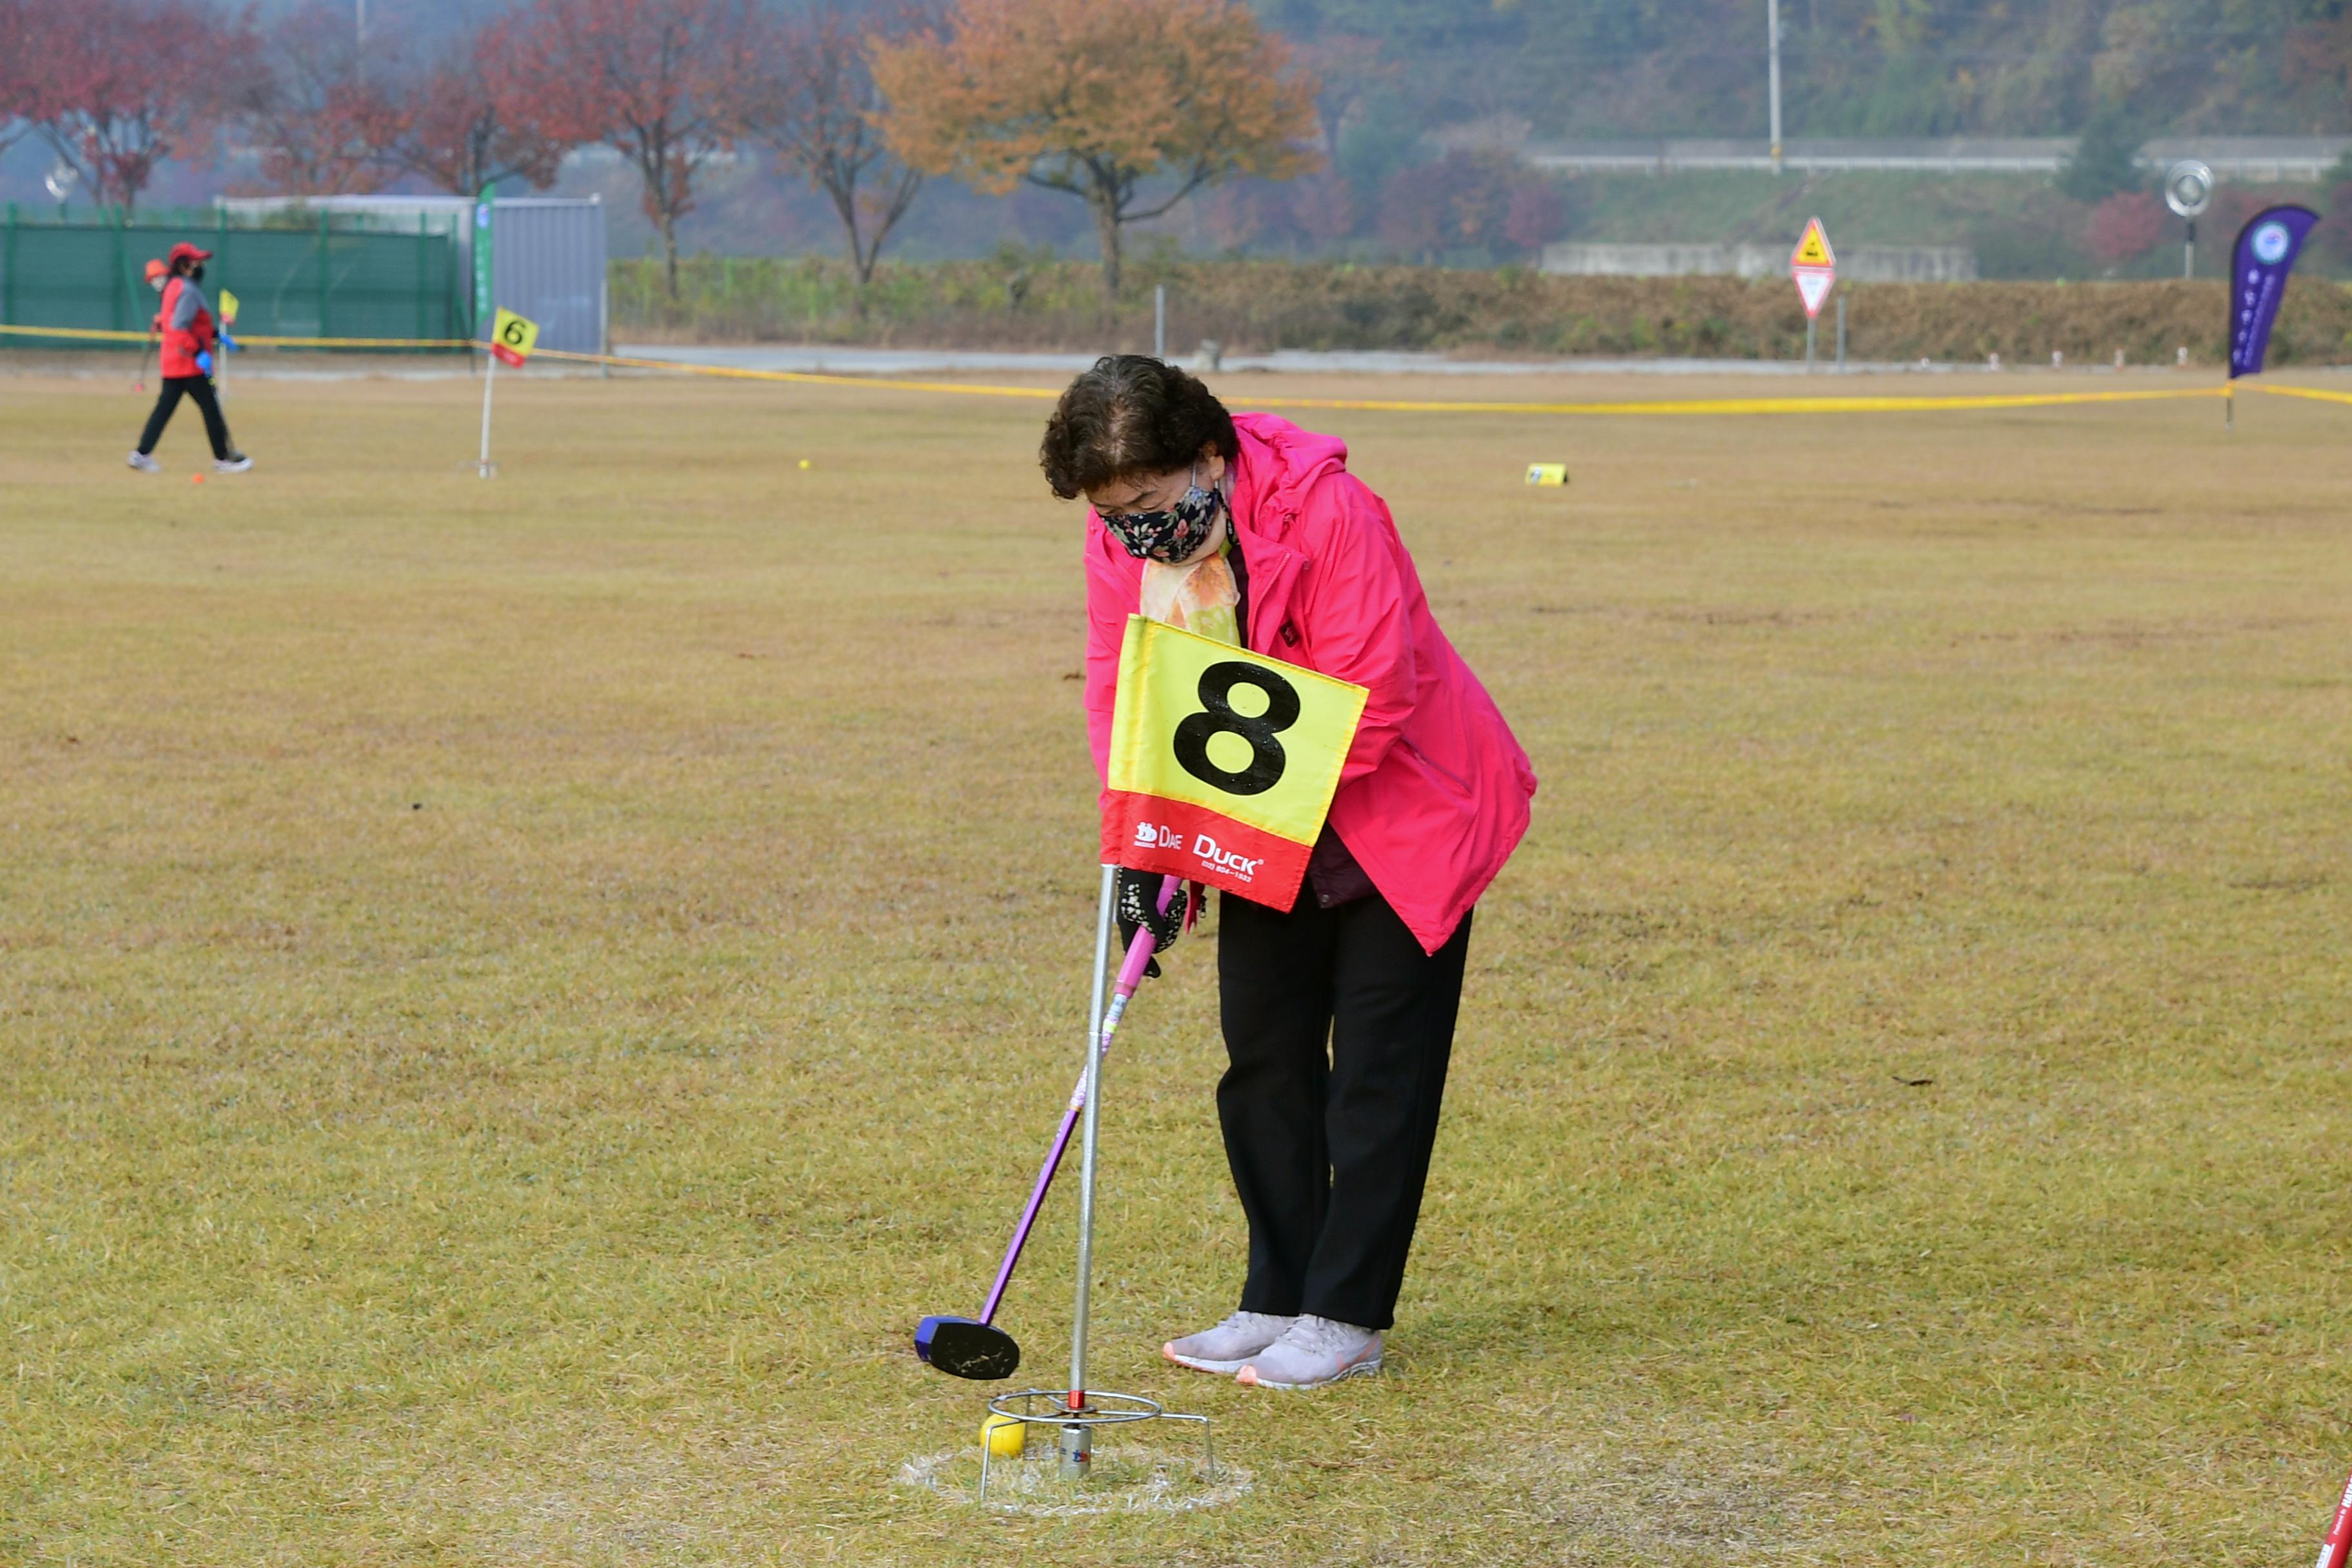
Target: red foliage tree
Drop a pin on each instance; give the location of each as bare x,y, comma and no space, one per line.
669,84
2126,227
822,113
1462,201
1536,215
133,82
1324,208
24,87
302,99
462,123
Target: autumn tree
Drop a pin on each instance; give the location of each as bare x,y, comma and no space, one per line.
311,114
131,83
669,84
1131,105
1480,202
461,123
24,87
822,112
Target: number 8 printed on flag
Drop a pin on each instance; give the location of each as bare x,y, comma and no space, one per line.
1222,761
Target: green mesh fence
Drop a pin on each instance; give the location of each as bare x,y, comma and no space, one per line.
321,276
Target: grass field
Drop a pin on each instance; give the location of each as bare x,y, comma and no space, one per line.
514,996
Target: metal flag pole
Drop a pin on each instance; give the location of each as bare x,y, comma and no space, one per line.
490,378
1077,1439
1077,1410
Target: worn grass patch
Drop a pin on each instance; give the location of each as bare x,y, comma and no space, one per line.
515,996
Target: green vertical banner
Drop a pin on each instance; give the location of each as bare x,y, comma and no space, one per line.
484,305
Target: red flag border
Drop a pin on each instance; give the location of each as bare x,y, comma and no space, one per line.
1152,833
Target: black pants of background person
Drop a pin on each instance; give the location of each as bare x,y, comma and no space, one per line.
199,388
1338,1029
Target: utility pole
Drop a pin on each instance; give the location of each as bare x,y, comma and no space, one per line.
361,7
1772,25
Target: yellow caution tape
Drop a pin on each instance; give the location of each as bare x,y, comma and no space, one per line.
93,334
1753,405
1719,405
2310,392
806,377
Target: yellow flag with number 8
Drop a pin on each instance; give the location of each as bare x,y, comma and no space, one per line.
1222,761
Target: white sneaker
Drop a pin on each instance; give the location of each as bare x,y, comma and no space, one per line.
234,463
1229,1345
1315,1352
145,464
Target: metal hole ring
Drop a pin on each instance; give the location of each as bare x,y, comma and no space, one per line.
1128,1407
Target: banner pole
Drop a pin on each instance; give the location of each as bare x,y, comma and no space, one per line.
490,379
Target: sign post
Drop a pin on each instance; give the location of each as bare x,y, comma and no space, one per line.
512,337
1814,267
1222,761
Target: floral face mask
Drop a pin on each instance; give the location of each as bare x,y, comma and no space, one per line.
1170,535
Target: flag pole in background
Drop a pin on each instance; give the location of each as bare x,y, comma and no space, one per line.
483,469
2259,260
512,337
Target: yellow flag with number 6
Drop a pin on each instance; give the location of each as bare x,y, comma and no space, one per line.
1222,761
512,337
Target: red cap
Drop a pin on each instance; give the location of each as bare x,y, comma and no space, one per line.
183,251
155,269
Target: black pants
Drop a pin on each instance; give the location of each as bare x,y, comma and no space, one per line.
1339,1028
198,387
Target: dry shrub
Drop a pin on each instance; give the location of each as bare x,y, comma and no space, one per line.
1254,306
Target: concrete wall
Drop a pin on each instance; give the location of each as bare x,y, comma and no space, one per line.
1857,263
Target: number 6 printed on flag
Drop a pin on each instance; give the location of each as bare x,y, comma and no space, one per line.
512,337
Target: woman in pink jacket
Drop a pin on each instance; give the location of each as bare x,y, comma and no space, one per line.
1338,1011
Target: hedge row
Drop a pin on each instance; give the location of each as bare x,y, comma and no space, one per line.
1014,302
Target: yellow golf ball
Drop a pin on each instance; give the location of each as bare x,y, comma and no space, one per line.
1005,1436
803,462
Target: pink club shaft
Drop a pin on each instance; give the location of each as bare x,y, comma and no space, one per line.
1131,976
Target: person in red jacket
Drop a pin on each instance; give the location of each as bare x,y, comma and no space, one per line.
1338,1011
186,363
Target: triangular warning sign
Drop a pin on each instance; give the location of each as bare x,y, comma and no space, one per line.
1813,284
1813,250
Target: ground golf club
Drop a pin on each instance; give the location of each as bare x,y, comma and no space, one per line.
975,1347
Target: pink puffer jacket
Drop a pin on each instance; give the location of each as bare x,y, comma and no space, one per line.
1434,794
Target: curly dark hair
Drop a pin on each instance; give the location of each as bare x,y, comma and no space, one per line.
1131,415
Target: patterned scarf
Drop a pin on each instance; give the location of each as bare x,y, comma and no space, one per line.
1200,597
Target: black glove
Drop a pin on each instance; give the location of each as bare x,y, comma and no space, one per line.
1138,910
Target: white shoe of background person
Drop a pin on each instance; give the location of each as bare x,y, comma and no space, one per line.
234,463
145,464
1228,1346
1315,1352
